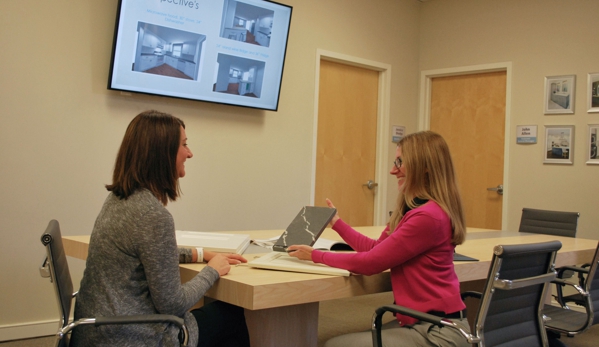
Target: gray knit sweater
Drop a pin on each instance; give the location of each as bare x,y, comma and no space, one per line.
133,268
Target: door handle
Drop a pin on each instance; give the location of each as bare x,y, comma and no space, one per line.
370,184
498,189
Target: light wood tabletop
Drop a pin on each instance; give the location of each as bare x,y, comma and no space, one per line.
282,307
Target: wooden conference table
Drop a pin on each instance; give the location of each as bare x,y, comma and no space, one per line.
282,307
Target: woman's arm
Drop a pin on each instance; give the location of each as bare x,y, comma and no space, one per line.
190,255
353,238
233,258
186,255
415,236
159,255
358,241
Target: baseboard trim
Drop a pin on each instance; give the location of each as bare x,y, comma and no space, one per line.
28,330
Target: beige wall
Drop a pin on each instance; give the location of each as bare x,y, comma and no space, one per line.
540,38
252,169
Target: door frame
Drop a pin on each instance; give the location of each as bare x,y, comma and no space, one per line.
424,112
382,149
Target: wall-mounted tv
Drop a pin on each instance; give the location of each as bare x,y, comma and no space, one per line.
223,51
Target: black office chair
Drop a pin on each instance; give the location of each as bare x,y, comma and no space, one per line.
55,267
510,310
549,222
562,319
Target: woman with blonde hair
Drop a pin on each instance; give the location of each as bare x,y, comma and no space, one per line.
417,246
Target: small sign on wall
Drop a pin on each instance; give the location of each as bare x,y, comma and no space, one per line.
398,133
526,134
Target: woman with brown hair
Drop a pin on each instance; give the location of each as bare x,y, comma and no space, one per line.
132,266
417,246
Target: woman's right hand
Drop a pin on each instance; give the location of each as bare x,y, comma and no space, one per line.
336,216
220,263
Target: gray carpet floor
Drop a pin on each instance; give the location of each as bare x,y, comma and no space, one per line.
337,317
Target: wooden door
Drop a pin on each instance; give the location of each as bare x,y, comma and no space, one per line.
469,112
346,140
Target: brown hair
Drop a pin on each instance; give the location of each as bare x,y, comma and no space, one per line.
147,157
430,175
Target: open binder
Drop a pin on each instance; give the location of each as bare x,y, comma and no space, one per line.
305,228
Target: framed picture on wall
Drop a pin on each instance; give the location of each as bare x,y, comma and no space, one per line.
559,94
559,144
592,157
593,90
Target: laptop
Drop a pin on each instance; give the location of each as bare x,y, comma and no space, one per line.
305,228
461,257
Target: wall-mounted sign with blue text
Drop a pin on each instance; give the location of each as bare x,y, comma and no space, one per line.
398,133
526,134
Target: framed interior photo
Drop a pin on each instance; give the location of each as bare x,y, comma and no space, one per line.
593,90
559,94
559,144
592,157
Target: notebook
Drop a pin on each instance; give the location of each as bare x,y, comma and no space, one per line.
305,228
461,257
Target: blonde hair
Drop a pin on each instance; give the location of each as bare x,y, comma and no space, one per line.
430,175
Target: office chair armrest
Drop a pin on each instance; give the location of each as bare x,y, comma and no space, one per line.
133,319
578,269
425,317
559,284
150,318
408,312
562,283
568,270
45,269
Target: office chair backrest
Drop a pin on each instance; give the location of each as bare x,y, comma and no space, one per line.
56,267
510,312
592,285
59,269
549,222
563,319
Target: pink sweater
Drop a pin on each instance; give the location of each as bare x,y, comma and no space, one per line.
419,254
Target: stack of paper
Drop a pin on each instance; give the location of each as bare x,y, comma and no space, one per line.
216,242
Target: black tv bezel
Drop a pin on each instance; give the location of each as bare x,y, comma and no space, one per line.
112,67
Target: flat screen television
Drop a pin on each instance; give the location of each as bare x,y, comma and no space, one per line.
224,51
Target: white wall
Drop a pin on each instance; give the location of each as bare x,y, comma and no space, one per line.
61,129
541,38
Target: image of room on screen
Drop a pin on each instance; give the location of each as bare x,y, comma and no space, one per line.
239,76
168,52
246,23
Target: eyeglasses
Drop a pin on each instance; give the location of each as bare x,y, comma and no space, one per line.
398,163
